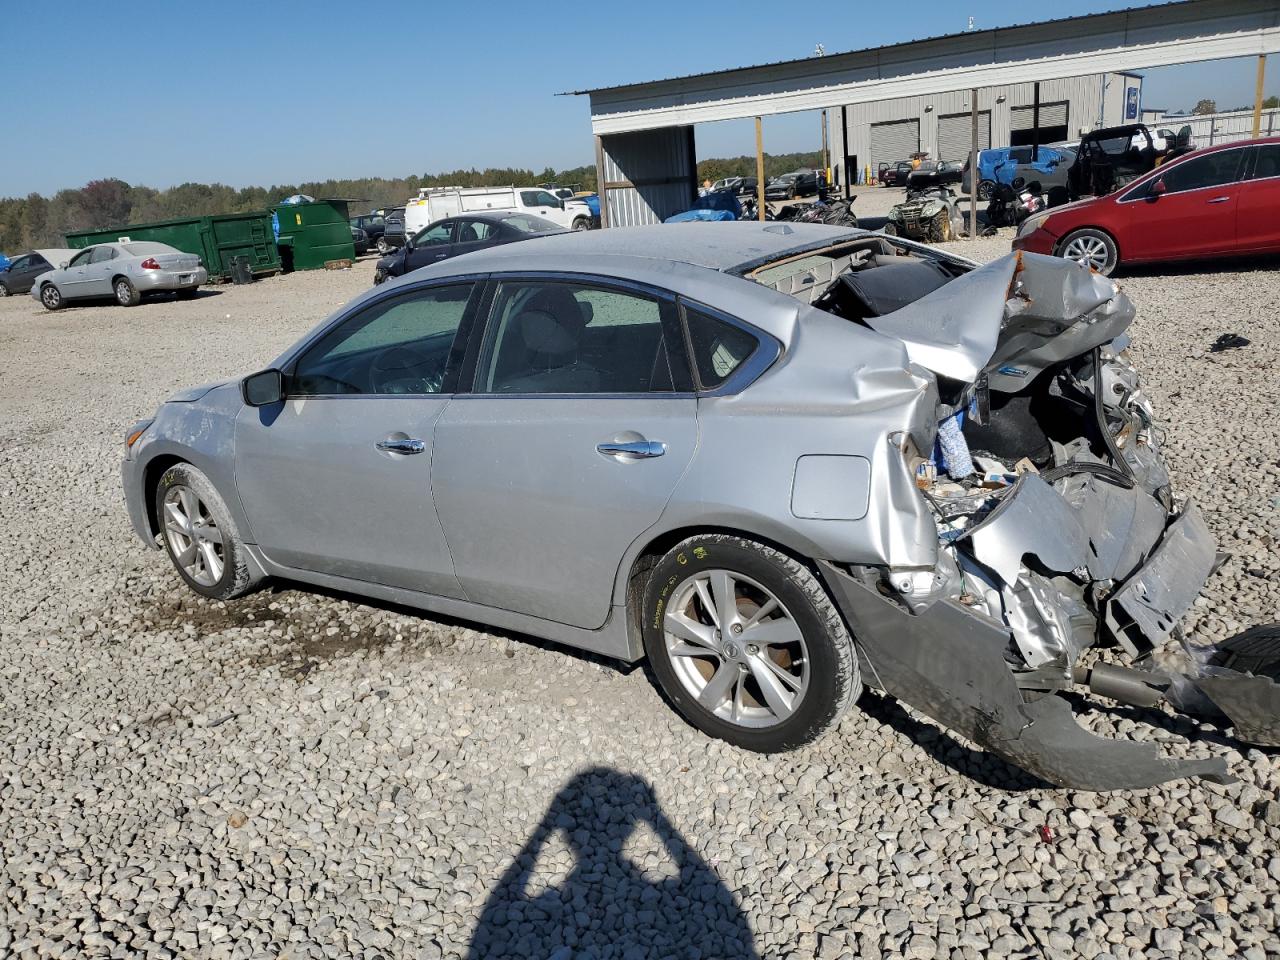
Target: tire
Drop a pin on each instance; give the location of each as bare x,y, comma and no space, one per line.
1094,248
383,247
984,189
216,570
581,223
126,293
189,293
890,229
51,297
765,696
4,291
378,277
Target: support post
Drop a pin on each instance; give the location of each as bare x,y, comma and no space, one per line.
1257,96
974,176
850,176
826,158
1035,123
601,190
760,169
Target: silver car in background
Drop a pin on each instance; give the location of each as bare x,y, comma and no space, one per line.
126,271
775,460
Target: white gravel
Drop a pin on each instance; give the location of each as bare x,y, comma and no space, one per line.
301,775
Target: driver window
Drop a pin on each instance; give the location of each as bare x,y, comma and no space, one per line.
80,259
1208,170
398,346
433,235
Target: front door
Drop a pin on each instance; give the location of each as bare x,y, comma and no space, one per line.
1258,214
1195,216
336,479
581,422
76,280
431,245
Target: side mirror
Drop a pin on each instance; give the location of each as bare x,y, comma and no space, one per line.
263,388
62,265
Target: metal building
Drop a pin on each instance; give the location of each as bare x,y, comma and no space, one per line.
644,131
864,135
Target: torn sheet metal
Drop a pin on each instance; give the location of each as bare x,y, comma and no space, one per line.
949,663
1252,704
1121,524
1031,519
1145,609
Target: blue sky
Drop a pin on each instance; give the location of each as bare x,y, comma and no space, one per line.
282,91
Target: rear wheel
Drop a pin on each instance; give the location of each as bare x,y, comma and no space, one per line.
126,293
1090,247
51,297
4,291
984,190
199,534
582,223
746,644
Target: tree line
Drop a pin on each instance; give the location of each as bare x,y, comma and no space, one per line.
38,221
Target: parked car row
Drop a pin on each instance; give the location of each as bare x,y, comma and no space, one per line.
126,271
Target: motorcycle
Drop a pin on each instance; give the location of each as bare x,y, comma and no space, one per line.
1012,203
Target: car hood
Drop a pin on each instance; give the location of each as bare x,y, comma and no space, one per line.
192,394
1009,320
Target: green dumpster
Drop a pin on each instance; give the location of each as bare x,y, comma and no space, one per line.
313,234
214,239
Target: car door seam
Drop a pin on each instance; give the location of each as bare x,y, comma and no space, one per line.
431,496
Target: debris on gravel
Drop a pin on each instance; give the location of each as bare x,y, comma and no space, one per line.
302,774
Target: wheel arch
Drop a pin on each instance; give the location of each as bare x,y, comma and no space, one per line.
634,575
151,474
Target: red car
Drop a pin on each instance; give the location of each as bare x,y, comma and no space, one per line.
1218,202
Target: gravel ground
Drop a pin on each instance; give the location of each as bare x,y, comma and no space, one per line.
303,775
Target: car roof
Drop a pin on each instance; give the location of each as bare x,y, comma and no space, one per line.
723,247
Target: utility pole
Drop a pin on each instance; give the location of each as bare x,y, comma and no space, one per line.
1257,97
825,158
973,163
759,170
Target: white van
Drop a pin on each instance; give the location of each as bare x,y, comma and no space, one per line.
436,203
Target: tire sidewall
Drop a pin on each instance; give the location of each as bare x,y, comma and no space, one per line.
58,301
234,569
132,299
4,290
822,700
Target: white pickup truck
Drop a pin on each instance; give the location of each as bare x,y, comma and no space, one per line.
436,203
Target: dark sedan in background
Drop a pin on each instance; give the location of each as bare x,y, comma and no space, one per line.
802,183
22,271
373,225
454,236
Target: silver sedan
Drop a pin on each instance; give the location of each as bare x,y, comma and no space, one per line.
125,271
777,461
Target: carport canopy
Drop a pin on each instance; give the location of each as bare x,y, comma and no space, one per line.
1150,36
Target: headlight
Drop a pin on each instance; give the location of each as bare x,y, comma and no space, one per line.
931,209
1031,224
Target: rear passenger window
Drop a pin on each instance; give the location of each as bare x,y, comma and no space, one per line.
1267,163
719,347
572,338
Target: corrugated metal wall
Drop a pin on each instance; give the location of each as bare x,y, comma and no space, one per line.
648,175
1097,100
1227,127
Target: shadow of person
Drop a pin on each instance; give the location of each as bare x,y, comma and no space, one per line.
616,896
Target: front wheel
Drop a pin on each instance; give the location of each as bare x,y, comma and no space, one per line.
890,229
51,297
4,291
383,247
126,293
199,534
582,223
1093,248
984,189
746,644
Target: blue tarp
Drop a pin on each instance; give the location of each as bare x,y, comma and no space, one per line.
4,261
592,201
691,216
1000,165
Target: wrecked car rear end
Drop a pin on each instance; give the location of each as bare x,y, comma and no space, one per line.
1058,532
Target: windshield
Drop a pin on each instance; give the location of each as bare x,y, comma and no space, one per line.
527,224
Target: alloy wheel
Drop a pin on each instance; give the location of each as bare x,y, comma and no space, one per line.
1090,251
736,649
50,296
193,535
123,293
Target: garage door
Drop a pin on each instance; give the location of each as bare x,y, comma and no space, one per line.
894,141
954,134
1053,124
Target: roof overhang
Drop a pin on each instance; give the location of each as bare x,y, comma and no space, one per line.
1124,40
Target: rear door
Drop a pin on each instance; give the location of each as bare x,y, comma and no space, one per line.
1195,216
473,234
1258,211
581,422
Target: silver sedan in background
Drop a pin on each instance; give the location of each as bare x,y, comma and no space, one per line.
778,461
125,271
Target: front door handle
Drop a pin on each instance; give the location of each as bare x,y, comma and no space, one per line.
1219,200
406,446
632,449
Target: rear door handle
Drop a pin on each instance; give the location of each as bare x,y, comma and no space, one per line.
1219,200
405,446
632,449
